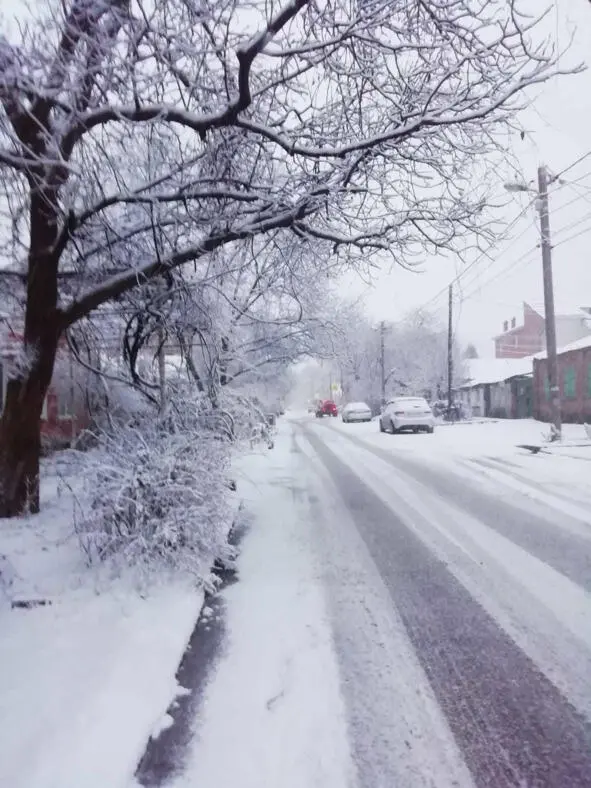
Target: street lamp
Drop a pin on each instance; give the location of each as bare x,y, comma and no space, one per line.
550,321
517,187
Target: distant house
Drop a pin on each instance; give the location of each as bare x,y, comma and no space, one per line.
574,378
529,338
63,415
519,341
498,388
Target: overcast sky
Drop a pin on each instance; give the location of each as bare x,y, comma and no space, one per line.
558,133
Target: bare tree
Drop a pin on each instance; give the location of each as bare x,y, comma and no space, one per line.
415,355
352,124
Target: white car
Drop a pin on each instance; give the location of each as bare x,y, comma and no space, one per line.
407,413
356,411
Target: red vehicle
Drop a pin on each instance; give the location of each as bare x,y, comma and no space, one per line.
326,408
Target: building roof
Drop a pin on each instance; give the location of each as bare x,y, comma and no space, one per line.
562,312
567,310
578,344
482,371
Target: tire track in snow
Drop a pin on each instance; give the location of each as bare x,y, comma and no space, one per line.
513,726
566,552
398,733
562,501
544,612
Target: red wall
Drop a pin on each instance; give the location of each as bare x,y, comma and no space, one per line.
52,426
577,409
525,340
61,428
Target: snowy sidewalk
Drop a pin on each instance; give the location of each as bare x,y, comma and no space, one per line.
85,679
273,714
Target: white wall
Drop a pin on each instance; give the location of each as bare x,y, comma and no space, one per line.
569,328
473,400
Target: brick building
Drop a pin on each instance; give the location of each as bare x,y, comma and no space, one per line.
523,340
64,413
529,338
574,376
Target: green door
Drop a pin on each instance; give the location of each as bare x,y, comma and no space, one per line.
524,398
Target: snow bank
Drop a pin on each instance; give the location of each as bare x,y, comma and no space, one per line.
84,679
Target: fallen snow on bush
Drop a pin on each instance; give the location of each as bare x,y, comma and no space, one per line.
158,498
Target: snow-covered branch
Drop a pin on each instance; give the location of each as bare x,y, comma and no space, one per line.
121,283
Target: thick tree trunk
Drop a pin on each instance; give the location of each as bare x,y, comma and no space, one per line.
20,430
20,427
20,442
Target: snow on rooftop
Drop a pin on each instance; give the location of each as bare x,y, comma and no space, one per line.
481,371
578,344
564,310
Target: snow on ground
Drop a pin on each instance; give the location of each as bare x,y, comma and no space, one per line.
85,679
489,452
273,714
468,438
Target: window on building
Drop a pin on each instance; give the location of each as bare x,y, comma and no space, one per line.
547,387
570,383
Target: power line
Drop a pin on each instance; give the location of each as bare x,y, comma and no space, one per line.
482,255
529,256
572,224
526,259
572,237
523,261
570,166
577,180
493,244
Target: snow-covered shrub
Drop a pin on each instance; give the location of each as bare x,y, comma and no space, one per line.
158,494
246,418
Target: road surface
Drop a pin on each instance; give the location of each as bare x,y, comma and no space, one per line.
461,615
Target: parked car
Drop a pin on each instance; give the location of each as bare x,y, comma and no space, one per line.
356,411
326,408
407,413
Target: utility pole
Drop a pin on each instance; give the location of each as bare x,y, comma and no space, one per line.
550,318
162,369
550,322
72,399
450,361
383,361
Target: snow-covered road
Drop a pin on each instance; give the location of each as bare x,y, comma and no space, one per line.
406,616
